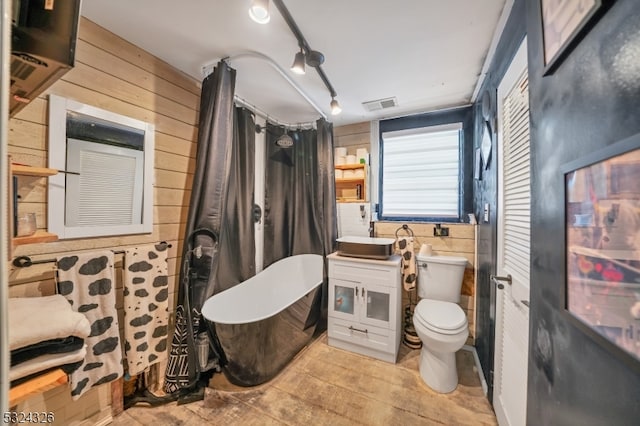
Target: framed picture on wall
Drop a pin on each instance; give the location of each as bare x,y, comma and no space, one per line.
602,223
563,22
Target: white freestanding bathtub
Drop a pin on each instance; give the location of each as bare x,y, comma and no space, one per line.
263,322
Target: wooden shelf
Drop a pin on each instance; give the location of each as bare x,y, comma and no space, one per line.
351,200
352,189
39,237
37,385
350,180
350,166
23,170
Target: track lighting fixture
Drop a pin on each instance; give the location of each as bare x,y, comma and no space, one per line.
335,107
298,63
314,58
259,11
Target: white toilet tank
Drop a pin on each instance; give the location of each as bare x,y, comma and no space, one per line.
440,277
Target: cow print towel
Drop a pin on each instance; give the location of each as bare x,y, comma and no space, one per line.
146,306
87,282
404,246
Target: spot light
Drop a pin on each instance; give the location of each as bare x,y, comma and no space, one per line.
298,63
259,11
335,107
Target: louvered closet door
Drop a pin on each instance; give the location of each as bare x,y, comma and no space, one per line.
512,314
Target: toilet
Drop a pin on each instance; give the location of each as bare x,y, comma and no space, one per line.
440,322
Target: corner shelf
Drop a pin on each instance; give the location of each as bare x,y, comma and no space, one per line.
40,236
38,384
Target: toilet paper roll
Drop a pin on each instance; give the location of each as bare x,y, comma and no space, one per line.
340,152
352,159
426,249
349,174
341,160
338,173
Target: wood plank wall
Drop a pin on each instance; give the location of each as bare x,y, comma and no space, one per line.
353,136
112,74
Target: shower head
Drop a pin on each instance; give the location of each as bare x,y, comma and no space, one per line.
284,141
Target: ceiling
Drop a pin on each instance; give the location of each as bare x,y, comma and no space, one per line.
428,54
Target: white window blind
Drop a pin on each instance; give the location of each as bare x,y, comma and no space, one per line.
108,190
517,181
421,172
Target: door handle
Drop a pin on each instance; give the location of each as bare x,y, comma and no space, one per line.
525,303
508,279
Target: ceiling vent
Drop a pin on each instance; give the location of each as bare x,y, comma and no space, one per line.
379,104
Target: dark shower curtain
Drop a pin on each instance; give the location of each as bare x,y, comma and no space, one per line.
328,216
237,251
300,199
219,224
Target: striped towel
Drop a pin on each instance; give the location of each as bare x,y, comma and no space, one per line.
86,280
146,306
404,246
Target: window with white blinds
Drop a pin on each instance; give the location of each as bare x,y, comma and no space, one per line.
108,185
421,172
517,181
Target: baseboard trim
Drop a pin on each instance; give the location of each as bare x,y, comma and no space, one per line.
483,382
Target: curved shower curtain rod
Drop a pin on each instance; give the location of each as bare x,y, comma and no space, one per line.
208,69
257,111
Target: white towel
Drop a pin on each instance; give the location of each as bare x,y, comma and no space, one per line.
146,306
45,362
37,319
87,281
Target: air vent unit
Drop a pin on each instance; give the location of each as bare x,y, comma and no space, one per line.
379,104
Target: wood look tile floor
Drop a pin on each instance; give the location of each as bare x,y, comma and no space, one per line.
328,386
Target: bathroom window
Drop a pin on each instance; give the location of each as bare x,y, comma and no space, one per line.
108,157
420,173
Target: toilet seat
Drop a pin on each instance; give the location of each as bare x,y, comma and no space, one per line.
440,317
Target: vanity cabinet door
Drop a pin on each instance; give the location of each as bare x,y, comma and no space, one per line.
344,297
378,306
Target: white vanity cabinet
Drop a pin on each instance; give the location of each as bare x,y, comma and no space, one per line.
365,305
